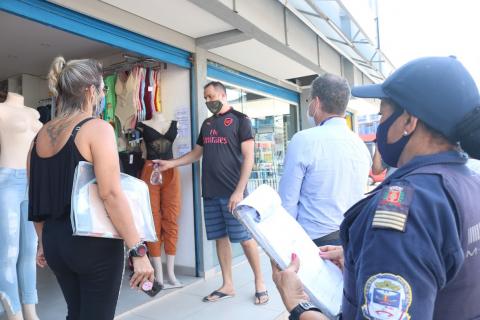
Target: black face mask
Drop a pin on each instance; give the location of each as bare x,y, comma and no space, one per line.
214,106
390,152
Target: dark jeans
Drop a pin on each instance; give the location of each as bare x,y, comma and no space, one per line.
89,270
332,239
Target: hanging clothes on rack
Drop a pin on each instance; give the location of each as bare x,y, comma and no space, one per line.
110,99
153,86
44,107
125,110
158,104
131,161
137,92
142,95
138,103
148,94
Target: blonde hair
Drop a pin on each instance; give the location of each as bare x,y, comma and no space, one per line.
68,81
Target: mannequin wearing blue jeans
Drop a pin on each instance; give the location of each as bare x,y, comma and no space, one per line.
18,244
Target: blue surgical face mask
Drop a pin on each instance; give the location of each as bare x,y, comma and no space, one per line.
390,152
99,108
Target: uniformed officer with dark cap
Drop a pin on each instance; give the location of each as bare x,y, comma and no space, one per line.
411,248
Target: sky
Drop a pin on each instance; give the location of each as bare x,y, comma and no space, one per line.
415,28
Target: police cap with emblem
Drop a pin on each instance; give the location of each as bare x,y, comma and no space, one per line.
440,92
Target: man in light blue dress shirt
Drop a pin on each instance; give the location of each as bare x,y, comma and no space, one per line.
326,167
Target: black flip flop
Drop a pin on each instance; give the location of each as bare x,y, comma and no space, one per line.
259,295
216,293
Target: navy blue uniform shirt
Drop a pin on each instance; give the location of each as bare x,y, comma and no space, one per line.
411,246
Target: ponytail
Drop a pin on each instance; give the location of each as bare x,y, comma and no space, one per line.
68,81
53,76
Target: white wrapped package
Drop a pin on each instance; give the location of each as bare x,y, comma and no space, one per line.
88,214
280,235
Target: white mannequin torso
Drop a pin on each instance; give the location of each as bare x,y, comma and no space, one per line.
18,127
158,122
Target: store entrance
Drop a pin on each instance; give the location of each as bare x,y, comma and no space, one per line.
27,50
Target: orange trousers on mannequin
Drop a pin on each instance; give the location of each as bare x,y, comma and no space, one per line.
165,200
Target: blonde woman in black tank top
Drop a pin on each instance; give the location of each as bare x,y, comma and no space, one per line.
89,270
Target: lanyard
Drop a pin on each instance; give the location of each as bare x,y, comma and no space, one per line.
328,119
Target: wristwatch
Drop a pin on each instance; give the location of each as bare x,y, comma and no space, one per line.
301,308
138,250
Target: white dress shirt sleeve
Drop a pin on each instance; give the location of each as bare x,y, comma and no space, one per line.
292,178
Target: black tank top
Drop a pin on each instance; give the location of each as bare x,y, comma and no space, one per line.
159,146
51,180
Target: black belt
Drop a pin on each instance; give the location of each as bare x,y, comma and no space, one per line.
329,237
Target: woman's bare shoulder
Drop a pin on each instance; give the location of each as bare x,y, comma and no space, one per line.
98,127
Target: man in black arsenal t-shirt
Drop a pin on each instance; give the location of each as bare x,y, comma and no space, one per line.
226,144
221,137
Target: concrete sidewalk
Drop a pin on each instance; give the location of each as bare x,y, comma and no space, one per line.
186,303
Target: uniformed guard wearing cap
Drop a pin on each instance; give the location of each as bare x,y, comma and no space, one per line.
412,246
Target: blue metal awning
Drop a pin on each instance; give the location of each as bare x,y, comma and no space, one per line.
222,73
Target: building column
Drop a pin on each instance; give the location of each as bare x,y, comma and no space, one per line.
204,249
304,102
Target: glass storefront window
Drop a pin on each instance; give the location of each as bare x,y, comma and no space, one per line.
274,123
235,98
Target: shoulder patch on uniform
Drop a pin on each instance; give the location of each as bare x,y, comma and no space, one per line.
392,209
387,296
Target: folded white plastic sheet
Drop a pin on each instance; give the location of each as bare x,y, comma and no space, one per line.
280,235
88,214
474,165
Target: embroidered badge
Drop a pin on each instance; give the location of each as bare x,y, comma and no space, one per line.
474,234
227,121
387,296
392,210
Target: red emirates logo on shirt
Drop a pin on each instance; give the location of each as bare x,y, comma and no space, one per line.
227,122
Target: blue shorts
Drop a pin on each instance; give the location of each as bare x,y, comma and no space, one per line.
219,222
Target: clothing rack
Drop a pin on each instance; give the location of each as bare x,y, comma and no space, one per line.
133,61
149,80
